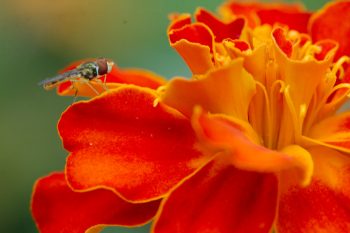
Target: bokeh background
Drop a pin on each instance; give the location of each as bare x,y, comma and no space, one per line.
39,37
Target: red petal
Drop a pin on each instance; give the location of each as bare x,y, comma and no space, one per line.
284,44
178,21
326,46
294,20
122,142
220,29
194,33
324,206
239,44
292,15
56,208
222,199
333,22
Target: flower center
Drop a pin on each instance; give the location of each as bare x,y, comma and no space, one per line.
297,87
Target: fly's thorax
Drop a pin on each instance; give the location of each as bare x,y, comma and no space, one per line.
89,70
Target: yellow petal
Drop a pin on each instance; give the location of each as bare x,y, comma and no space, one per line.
226,90
195,43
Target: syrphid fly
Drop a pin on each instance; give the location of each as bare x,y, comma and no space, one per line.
84,72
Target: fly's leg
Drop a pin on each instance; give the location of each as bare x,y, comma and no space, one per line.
103,83
87,82
73,87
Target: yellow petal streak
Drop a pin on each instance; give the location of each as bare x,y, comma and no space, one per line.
219,134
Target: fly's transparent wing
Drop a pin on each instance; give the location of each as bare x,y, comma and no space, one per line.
60,78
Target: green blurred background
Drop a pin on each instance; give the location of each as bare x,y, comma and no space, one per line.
39,37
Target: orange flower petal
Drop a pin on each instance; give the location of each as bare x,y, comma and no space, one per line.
142,78
236,86
221,30
138,77
301,76
334,132
220,198
120,141
56,208
221,135
195,43
324,205
333,22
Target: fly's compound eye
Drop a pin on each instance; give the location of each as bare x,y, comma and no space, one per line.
104,66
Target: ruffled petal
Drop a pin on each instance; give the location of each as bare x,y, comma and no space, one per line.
121,141
334,132
221,30
56,208
333,22
236,86
301,76
195,44
323,206
222,135
220,198
114,79
254,58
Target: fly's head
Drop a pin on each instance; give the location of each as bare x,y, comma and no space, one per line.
104,66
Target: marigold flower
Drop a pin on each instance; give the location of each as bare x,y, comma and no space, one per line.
251,143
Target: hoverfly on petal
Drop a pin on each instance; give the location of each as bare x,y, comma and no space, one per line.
85,72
